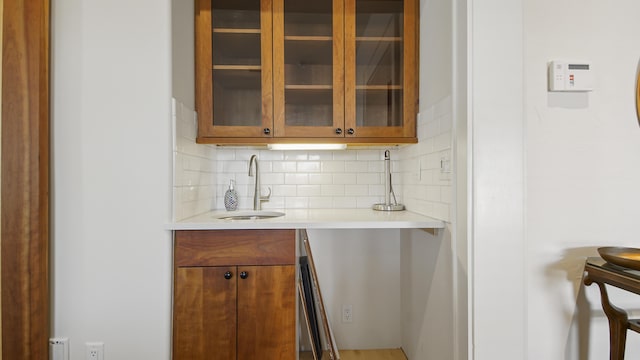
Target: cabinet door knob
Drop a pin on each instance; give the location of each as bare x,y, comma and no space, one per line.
227,275
338,131
244,275
351,131
266,131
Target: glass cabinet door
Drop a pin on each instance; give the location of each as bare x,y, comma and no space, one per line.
308,68
233,75
380,48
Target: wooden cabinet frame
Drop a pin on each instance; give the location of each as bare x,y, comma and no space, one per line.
273,128
204,78
410,78
280,126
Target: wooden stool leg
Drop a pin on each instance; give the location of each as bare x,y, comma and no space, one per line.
618,325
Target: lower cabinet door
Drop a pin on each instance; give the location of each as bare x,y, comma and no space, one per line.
205,313
266,313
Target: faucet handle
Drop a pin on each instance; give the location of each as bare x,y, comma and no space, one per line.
266,198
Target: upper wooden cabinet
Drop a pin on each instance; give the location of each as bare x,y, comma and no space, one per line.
270,71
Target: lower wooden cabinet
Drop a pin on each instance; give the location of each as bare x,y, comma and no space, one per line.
234,295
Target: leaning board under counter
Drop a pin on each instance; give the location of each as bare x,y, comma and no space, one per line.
316,219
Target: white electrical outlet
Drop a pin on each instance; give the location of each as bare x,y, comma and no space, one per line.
59,348
347,313
95,351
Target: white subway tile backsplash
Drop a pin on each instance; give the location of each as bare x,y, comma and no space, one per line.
270,155
351,178
378,190
194,166
285,166
271,179
299,202
425,189
332,166
295,155
345,178
345,202
320,155
344,155
320,202
376,166
365,202
364,155
356,166
332,190
296,178
234,166
226,155
356,190
284,190
369,178
308,166
309,190
321,179
442,141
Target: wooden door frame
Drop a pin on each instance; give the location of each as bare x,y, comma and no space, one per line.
24,184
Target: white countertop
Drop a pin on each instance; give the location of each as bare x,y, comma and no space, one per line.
316,219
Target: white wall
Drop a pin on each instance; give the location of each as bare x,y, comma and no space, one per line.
582,156
183,52
427,294
555,175
429,304
111,176
496,271
361,268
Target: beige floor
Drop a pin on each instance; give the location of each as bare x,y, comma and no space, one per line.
384,354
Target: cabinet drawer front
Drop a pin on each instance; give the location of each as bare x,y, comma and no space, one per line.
234,247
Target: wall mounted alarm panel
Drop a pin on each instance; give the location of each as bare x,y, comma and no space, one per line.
570,76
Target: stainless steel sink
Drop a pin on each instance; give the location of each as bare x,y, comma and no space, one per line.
248,215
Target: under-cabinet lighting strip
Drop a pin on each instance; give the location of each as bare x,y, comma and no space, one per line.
307,146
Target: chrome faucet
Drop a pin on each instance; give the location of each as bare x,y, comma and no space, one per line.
257,198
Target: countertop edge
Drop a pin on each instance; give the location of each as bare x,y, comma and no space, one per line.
362,219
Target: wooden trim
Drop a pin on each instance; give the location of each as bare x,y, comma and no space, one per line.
205,77
410,68
308,87
278,68
231,247
282,130
379,38
203,69
266,23
350,64
237,67
355,141
25,180
338,65
378,87
236,31
307,38
1,37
